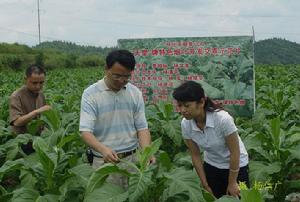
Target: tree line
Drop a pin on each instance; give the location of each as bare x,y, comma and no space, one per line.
60,54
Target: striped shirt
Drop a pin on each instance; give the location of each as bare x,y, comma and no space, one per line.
113,117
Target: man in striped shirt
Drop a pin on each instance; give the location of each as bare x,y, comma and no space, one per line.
112,116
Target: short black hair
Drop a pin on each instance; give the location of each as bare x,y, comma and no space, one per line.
189,91
123,57
34,69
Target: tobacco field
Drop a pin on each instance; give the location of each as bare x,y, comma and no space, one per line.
59,171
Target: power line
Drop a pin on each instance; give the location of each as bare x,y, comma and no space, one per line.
46,37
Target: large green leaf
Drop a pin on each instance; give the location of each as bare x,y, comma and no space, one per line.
34,126
52,119
183,181
48,198
30,195
275,131
138,184
107,193
9,166
71,188
28,180
66,139
173,130
251,195
227,199
211,91
25,195
147,153
98,177
295,152
261,171
165,160
48,161
83,171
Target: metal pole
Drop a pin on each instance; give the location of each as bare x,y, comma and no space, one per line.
254,96
39,26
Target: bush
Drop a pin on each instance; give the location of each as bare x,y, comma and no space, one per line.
71,61
90,61
54,61
11,61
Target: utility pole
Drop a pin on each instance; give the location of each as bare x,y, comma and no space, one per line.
254,96
39,26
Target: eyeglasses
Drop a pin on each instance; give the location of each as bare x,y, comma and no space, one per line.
119,76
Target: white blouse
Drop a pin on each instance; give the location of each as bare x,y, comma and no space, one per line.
212,138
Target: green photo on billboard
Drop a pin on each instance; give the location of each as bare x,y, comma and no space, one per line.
224,66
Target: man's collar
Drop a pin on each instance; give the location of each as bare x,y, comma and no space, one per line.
30,92
104,87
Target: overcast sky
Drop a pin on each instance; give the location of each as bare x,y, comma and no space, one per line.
103,22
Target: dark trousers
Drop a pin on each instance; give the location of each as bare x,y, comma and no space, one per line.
27,148
217,178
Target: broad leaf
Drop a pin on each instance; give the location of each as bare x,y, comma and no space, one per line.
107,193
145,155
9,166
181,180
227,199
48,162
138,184
25,195
261,171
83,171
173,130
52,119
251,196
99,176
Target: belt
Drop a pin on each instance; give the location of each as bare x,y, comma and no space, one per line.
125,154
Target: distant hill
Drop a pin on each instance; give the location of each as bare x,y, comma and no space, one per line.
269,51
72,48
67,54
276,51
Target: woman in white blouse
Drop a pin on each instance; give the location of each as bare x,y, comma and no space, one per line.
206,126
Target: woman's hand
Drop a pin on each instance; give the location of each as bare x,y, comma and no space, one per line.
207,188
233,189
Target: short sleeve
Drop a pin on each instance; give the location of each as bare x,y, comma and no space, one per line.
228,125
184,130
87,114
15,108
140,121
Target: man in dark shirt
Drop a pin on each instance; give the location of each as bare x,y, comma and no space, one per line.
28,102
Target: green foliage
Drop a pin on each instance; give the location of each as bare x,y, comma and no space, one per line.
72,48
12,61
277,51
51,55
40,59
165,123
90,61
271,137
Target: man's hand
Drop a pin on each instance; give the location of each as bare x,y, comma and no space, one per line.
233,189
110,155
23,120
152,160
43,108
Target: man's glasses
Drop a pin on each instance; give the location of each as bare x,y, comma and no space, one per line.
119,76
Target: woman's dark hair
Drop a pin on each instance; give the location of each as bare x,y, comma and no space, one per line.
34,69
123,57
191,91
